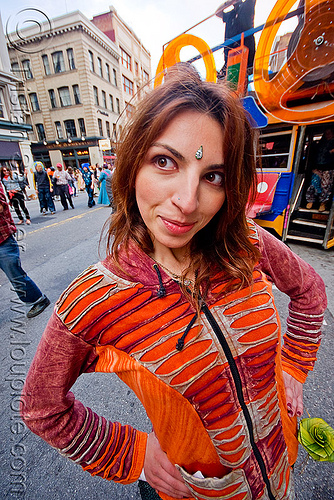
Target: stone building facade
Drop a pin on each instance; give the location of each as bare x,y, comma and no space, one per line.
14,143
72,93
135,59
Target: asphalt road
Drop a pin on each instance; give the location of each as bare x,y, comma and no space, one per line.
54,250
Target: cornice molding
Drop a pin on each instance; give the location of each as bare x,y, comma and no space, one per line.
61,31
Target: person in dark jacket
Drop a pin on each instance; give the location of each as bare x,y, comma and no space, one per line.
43,186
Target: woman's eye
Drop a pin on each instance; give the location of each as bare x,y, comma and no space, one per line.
164,162
215,178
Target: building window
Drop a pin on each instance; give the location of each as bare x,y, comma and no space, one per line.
108,129
2,105
104,99
64,96
136,68
115,76
70,57
46,64
118,109
23,102
58,61
96,96
146,76
52,96
70,128
111,101
127,85
91,60
82,127
27,69
108,72
34,101
76,93
16,68
99,122
59,130
125,59
129,110
40,131
99,65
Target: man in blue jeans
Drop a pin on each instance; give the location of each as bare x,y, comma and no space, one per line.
43,186
10,263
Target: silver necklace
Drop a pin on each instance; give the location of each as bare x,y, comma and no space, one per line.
176,277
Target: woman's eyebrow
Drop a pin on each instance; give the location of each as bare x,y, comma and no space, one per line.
171,150
216,166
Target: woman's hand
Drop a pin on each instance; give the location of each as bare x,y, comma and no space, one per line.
160,473
294,395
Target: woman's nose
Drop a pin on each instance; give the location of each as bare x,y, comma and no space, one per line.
186,195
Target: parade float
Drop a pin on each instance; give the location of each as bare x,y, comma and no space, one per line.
289,92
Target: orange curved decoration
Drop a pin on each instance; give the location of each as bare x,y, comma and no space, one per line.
171,56
312,54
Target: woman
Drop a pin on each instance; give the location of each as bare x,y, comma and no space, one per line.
103,195
182,311
72,182
11,181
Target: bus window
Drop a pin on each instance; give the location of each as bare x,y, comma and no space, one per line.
275,149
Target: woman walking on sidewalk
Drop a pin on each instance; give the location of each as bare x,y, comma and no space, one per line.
11,181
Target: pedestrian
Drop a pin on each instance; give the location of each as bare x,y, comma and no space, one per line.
88,178
50,172
74,177
27,291
96,172
109,186
103,198
81,184
62,179
43,187
11,181
322,180
182,310
24,182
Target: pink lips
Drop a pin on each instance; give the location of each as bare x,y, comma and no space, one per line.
177,227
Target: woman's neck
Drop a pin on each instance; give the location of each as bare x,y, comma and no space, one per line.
174,261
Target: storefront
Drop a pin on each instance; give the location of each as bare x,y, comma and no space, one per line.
72,153
10,154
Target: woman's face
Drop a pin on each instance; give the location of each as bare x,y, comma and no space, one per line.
177,193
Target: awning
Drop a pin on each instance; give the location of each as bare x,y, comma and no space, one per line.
10,151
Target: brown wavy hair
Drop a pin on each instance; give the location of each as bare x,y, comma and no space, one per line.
224,243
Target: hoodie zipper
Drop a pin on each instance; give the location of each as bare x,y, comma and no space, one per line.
238,385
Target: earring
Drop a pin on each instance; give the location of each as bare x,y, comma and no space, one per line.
199,153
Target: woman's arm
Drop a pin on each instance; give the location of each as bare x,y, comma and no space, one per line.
308,303
48,408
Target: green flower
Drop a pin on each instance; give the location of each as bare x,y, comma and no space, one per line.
317,437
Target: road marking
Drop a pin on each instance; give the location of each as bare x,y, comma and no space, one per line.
64,221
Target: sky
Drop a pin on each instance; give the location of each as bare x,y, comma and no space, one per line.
155,22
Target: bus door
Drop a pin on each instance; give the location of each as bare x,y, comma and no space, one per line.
311,211
276,178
